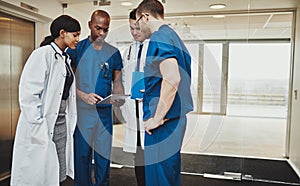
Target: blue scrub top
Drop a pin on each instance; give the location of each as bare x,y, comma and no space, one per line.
165,43
94,68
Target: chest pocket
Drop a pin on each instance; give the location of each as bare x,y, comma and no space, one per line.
105,72
104,80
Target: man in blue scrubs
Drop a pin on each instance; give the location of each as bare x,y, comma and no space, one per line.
98,74
167,98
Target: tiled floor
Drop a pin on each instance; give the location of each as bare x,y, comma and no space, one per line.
195,167
210,136
229,135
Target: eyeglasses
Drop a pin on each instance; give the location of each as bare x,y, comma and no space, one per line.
143,14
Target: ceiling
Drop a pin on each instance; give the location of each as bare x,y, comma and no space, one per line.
183,6
243,19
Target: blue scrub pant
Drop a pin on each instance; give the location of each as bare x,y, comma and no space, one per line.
94,129
162,153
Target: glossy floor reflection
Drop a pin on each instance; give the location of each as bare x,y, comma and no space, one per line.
263,172
229,135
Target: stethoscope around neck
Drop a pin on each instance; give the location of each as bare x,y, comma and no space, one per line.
128,56
129,52
56,53
69,73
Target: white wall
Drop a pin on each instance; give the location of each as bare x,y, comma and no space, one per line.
119,30
295,111
47,11
50,8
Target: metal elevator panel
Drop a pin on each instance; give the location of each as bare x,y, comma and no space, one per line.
16,44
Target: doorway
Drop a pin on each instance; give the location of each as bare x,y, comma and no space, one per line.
16,44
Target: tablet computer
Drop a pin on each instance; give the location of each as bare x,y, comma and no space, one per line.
113,97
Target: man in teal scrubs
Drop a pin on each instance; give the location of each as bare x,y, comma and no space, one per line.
167,98
98,74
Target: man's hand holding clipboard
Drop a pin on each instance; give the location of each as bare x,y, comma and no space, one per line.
114,99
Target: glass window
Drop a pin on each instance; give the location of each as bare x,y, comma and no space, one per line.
258,79
212,78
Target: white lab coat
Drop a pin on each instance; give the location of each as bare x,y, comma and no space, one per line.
35,161
128,109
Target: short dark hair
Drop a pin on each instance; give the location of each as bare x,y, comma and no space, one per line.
132,14
153,7
100,13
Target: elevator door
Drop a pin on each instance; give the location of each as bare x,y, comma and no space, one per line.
16,44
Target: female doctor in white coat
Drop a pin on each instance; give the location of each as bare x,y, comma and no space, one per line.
43,147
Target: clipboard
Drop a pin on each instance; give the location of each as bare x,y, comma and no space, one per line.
137,85
113,97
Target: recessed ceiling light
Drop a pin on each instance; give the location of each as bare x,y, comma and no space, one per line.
4,19
126,3
217,6
218,16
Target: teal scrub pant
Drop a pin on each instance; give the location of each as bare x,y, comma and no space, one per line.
93,133
162,153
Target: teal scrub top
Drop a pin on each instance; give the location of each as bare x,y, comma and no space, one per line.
165,43
94,68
